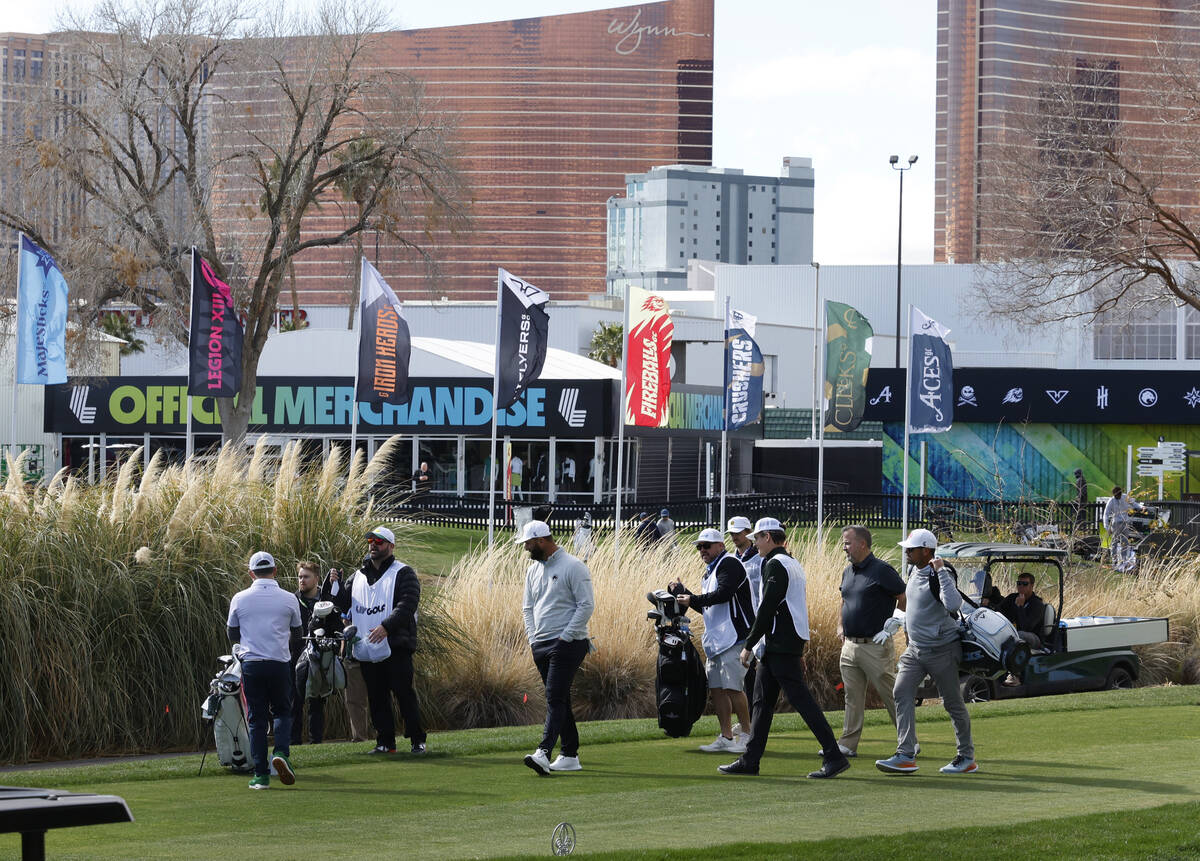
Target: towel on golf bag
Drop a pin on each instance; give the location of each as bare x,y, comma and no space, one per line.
326,674
681,682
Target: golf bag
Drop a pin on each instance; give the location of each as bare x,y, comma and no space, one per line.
996,637
681,684
322,654
225,709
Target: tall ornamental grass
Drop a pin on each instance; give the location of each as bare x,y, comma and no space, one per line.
114,597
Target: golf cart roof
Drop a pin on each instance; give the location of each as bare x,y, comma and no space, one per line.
989,550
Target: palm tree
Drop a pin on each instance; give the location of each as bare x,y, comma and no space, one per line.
605,345
119,326
363,171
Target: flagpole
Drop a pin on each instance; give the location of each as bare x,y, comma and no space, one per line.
16,332
725,357
822,359
907,421
491,477
354,391
188,444
621,430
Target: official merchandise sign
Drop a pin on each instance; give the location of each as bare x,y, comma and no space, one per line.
135,405
1051,396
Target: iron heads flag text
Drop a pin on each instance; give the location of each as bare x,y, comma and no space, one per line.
743,371
848,338
648,359
930,375
215,335
42,320
384,344
524,325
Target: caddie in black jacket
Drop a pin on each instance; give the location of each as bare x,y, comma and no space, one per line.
381,598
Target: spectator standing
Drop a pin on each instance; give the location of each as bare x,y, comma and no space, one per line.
423,481
556,605
308,594
665,525
263,619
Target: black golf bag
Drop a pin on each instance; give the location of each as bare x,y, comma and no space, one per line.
225,709
681,684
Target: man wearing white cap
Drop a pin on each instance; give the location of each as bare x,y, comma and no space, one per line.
728,614
783,621
263,619
739,529
934,649
556,605
381,598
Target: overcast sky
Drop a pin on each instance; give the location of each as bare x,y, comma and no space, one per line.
847,84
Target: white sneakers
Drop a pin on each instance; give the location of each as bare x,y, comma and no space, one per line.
737,744
540,762
845,751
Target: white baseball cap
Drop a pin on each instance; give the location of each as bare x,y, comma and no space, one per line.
739,524
766,524
920,538
384,533
262,561
709,536
533,529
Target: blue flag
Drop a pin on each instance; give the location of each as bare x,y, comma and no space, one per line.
743,372
930,375
42,318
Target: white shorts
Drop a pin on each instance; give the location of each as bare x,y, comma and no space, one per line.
725,670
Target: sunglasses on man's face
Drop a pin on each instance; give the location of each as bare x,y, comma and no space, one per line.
376,541
1024,583
705,546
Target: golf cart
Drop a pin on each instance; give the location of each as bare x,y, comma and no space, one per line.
1085,653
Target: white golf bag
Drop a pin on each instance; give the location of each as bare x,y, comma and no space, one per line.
996,638
225,709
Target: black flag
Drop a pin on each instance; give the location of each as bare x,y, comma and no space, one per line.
522,347
215,336
384,345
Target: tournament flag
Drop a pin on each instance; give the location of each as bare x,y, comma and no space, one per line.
648,359
214,337
930,375
384,345
743,371
42,318
524,324
848,338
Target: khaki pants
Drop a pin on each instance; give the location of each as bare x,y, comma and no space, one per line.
862,664
356,702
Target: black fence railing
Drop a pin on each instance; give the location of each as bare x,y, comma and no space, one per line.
1005,520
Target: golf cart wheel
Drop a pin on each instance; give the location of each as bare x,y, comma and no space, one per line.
975,689
1119,678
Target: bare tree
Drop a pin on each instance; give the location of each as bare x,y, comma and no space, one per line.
204,127
1090,203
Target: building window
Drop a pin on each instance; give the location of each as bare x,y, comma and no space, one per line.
695,227
718,242
772,244
718,198
1145,335
751,258
750,243
681,238
752,215
695,242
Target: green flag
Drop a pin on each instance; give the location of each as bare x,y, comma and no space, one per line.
847,358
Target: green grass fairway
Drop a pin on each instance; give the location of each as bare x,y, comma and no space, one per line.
1109,774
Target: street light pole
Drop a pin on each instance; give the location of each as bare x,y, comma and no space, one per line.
894,161
816,348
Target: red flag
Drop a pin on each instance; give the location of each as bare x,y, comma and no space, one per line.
648,360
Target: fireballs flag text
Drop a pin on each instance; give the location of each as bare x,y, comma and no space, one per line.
384,345
524,324
648,359
848,338
42,317
215,337
743,371
930,375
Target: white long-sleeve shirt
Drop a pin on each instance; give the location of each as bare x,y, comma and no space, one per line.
558,599
1118,508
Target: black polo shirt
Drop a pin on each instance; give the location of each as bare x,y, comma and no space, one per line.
868,596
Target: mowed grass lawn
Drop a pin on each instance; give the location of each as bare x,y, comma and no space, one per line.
1112,774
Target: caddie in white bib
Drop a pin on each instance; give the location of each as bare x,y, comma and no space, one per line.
370,605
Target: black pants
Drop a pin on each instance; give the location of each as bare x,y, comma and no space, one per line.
316,708
393,675
267,687
748,687
557,662
784,672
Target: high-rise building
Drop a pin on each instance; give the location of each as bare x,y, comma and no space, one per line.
673,214
550,115
991,60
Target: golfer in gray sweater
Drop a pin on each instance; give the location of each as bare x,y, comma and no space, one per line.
931,625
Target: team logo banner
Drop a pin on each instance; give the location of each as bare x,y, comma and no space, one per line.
743,371
848,338
42,320
524,324
384,344
930,375
215,339
648,359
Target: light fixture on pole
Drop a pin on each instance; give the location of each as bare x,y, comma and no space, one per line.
894,161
